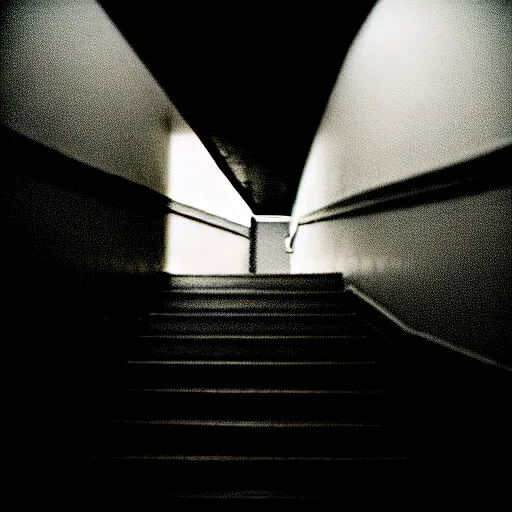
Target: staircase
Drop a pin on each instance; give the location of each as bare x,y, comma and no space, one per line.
251,386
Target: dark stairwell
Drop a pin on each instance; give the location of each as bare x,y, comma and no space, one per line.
407,193
289,387
253,386
429,423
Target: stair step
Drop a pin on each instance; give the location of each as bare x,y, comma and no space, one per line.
255,281
254,323
250,386
259,347
251,300
359,375
358,479
250,404
243,458
253,438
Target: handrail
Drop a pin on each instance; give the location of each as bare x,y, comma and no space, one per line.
293,228
210,219
464,178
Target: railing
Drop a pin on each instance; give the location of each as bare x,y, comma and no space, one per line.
464,178
208,218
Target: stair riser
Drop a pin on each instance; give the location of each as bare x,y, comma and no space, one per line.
149,376
239,325
229,369
358,479
256,282
341,349
157,439
168,301
249,406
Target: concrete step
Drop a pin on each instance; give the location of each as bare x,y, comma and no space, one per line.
354,375
258,347
251,404
253,323
251,300
242,479
332,281
253,438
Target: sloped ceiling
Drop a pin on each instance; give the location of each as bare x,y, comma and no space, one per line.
252,81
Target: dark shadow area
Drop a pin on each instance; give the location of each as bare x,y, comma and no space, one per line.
286,76
458,415
76,243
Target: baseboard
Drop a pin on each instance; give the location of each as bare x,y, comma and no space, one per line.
387,322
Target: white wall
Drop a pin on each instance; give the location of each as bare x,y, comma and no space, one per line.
195,179
424,85
196,248
441,267
70,81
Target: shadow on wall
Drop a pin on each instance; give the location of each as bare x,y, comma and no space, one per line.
80,235
75,225
76,244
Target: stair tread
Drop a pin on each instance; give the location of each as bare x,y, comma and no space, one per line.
250,363
252,322
250,292
220,299
270,281
255,436
259,348
247,314
273,337
262,275
353,479
287,405
246,458
250,423
254,390
227,377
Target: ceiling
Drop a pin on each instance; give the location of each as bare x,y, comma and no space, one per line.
252,81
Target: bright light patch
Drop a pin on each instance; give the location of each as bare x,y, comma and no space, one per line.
195,180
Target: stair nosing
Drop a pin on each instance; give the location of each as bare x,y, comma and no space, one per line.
256,391
248,423
246,458
250,291
256,336
250,363
251,314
